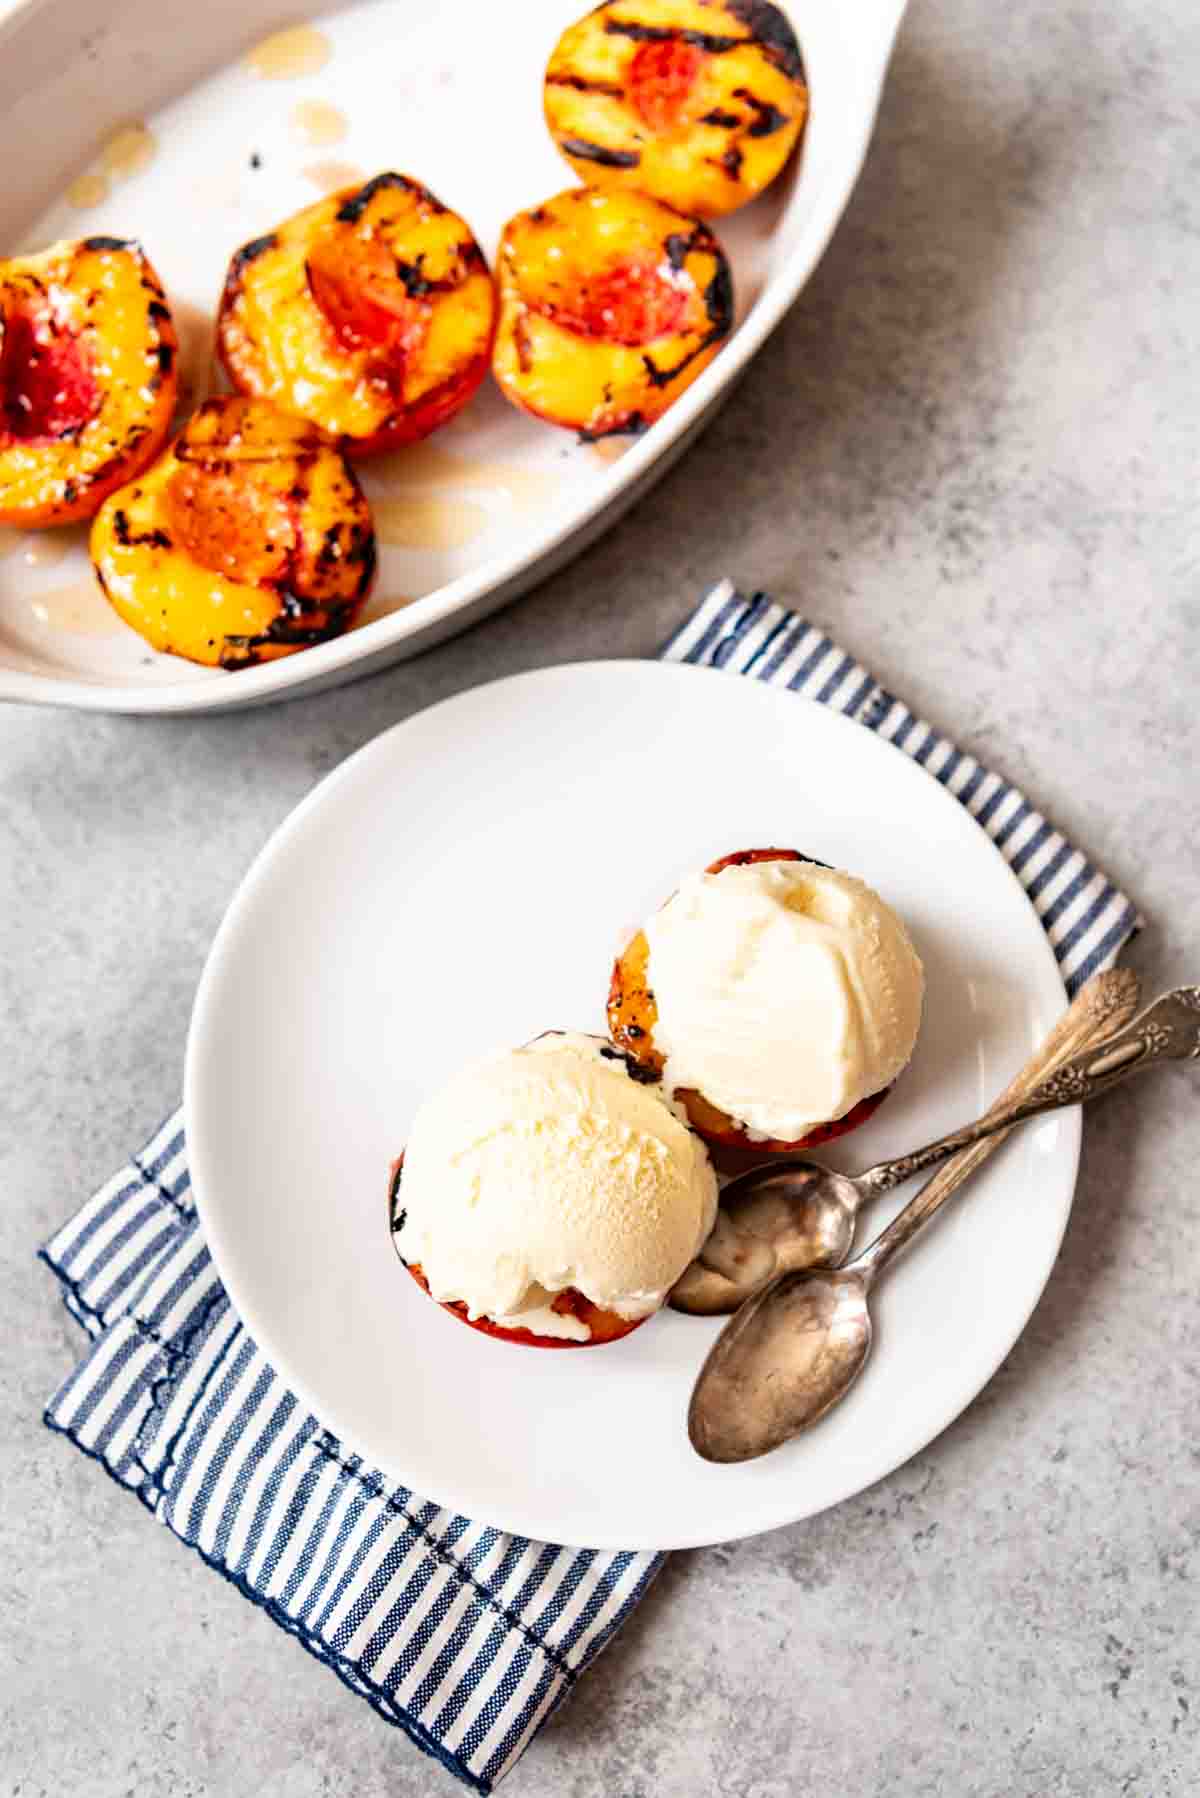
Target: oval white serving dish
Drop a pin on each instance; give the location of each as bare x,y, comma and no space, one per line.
493,502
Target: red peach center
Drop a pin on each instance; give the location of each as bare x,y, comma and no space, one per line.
47,389
630,303
661,76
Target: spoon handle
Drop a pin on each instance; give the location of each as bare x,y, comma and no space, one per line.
1168,1030
1099,1010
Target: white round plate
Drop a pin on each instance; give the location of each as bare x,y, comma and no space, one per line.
463,883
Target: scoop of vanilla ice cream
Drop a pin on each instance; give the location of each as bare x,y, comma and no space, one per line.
786,992
550,1166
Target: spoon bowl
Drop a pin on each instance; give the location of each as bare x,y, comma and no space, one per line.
790,1355
772,1219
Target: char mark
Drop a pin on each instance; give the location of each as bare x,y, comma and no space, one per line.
589,152
348,546
363,551
127,537
680,244
352,209
582,85
731,162
397,1215
101,244
767,118
729,121
718,303
330,553
411,278
714,43
250,252
242,652
469,259
718,300
770,28
636,1070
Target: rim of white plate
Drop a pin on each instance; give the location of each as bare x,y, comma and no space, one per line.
770,1513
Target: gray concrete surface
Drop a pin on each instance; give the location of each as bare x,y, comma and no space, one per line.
971,452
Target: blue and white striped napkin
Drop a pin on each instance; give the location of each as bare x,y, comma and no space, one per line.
462,1636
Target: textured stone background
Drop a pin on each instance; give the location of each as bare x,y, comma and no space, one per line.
970,452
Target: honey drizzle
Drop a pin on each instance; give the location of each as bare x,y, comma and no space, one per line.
286,55
315,122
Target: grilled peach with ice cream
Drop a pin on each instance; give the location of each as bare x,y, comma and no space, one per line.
248,539
698,102
610,305
87,377
777,998
550,1195
370,313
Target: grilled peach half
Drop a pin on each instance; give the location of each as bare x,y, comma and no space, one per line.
602,1325
370,313
632,1015
610,305
87,377
698,102
247,540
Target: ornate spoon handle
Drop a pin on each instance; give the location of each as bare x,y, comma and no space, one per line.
1168,1030
1100,1008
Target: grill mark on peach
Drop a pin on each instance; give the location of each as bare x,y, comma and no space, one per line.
718,299
285,630
250,252
767,120
680,244
582,85
718,304
589,152
633,424
469,261
155,539
771,30
351,210
713,43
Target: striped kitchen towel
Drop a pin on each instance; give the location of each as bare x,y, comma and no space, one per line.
464,1637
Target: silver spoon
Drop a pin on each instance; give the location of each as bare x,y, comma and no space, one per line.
791,1213
795,1348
